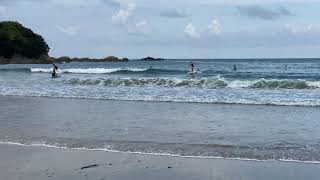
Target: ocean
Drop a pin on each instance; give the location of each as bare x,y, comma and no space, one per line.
268,109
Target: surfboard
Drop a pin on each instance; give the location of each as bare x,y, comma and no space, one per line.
193,72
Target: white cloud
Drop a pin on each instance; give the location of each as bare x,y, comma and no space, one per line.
141,24
122,16
191,31
139,28
70,30
293,29
214,27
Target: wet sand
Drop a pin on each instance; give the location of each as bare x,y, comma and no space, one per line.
33,163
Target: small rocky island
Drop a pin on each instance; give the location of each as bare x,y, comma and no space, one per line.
152,59
20,45
66,59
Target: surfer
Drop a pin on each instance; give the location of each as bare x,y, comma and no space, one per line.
234,67
192,67
54,74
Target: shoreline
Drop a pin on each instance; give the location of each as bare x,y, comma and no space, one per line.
148,101
32,163
42,145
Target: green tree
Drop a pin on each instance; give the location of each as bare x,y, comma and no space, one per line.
18,40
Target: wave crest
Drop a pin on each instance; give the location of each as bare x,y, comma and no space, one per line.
204,83
216,82
108,71
86,71
284,84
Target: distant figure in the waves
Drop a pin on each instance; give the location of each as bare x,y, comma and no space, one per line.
192,67
234,67
285,67
54,74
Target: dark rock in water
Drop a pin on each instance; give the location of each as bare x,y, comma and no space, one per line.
90,166
169,167
24,60
63,59
152,59
111,58
66,59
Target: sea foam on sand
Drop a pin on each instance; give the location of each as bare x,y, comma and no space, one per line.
33,163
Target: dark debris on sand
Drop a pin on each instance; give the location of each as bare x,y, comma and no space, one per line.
90,166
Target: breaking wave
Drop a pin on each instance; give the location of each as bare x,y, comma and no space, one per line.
108,71
215,82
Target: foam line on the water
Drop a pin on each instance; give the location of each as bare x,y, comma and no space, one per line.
302,104
154,154
109,71
86,71
212,82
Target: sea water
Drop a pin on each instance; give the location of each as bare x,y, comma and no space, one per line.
265,109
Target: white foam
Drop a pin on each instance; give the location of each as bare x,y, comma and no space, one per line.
272,83
86,71
314,84
240,84
156,154
41,70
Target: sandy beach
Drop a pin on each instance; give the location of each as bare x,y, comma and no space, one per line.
33,163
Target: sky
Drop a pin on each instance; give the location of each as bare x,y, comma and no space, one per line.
172,28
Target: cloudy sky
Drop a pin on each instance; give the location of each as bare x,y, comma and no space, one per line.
172,28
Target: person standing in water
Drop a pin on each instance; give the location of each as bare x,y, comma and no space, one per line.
55,67
234,67
192,67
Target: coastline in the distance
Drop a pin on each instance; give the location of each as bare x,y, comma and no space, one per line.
20,45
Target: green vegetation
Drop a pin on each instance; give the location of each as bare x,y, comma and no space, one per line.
16,40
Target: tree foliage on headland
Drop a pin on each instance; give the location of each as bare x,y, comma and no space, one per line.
20,45
16,40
